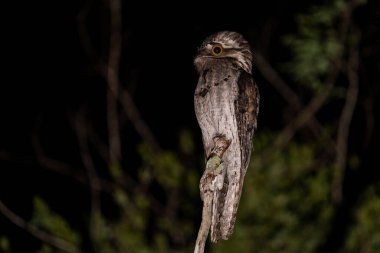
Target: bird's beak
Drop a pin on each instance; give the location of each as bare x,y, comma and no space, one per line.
203,52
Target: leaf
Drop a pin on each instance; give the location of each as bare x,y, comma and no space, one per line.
55,224
4,244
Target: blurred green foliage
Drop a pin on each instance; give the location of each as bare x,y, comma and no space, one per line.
315,45
47,220
364,234
4,244
285,207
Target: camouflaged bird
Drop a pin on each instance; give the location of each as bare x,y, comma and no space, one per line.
226,103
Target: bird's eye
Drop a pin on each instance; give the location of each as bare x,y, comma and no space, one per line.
217,50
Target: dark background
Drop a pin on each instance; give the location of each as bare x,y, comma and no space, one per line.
47,76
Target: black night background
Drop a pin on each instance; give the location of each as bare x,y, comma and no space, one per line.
100,150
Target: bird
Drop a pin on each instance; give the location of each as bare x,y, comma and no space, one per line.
226,103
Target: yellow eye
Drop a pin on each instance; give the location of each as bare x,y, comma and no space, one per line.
217,50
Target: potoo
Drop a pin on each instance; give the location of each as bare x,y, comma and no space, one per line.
226,103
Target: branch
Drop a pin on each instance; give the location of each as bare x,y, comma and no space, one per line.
50,239
140,125
93,179
344,125
109,72
112,81
65,169
205,224
278,83
210,187
126,101
59,167
82,31
134,115
99,145
284,89
303,117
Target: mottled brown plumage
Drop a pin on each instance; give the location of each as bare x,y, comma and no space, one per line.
226,105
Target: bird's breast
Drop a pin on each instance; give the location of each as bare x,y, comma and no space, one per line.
214,100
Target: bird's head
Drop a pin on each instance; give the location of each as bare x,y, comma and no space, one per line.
224,45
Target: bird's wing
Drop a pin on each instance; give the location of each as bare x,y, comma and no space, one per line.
246,108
